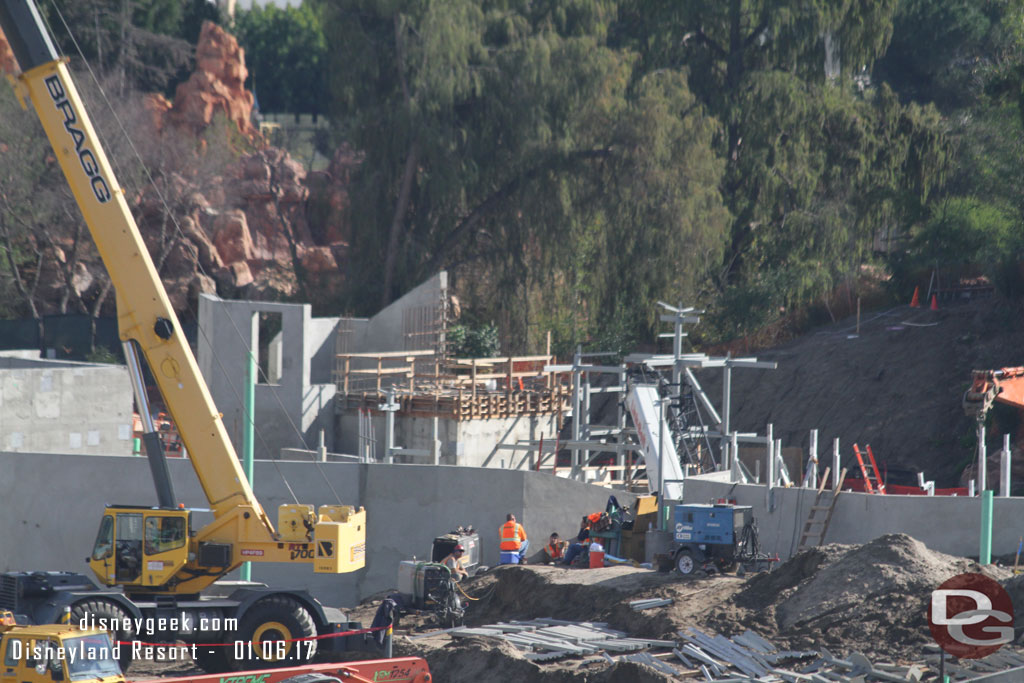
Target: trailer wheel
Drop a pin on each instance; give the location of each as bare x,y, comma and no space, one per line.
111,612
686,564
265,625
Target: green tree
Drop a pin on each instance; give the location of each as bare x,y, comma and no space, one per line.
818,162
285,52
510,141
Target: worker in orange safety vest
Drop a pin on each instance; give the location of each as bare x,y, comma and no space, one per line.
555,549
513,538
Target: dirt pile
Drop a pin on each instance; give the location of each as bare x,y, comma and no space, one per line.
871,598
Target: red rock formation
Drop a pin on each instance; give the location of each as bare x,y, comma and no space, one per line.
216,86
7,63
261,228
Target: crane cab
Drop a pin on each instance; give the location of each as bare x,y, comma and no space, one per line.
138,546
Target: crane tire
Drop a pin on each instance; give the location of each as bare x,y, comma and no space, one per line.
90,610
274,618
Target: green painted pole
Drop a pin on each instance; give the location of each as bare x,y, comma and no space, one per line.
247,434
985,556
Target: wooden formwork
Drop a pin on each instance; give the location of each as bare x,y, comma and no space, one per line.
459,388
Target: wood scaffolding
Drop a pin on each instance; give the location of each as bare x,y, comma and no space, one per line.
427,384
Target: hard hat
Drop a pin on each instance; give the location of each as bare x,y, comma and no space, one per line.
458,548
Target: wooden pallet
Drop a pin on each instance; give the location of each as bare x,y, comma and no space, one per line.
824,504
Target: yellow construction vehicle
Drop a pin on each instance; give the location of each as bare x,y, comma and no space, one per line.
154,555
56,653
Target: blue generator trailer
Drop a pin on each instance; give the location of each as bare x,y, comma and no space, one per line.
716,538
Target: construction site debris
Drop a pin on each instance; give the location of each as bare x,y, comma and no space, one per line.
640,605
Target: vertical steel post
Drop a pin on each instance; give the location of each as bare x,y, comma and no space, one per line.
814,458
389,444
576,408
585,382
769,468
985,554
1004,468
726,408
661,461
734,454
982,459
248,425
835,463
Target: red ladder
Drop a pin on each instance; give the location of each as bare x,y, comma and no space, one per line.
879,485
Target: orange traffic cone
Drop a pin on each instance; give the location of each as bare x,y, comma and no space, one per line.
915,302
935,303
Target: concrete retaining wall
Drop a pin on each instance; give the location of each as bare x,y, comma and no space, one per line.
944,523
468,443
61,407
407,506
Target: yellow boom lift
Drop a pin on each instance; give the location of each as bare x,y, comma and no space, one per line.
154,555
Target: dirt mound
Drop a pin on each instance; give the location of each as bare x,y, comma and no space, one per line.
483,659
872,598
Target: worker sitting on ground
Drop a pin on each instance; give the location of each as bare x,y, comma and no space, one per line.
513,538
575,550
454,562
554,551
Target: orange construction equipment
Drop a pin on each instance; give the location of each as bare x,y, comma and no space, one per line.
1005,385
874,476
915,301
935,303
405,669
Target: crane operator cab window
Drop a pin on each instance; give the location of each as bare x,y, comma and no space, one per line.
164,534
128,549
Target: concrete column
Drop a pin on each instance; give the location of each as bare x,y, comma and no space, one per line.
726,409
813,455
586,414
737,471
1004,468
576,408
982,459
769,478
835,463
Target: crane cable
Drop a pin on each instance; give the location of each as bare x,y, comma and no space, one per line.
188,245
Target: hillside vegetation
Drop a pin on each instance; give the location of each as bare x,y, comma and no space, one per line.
571,161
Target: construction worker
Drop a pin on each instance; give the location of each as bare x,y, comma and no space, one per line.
555,549
513,538
454,562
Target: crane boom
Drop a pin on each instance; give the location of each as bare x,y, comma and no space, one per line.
145,314
332,539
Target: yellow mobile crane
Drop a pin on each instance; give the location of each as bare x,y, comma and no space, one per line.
156,557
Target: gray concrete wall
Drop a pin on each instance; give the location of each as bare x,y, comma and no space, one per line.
60,407
944,523
384,330
407,506
289,414
467,443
